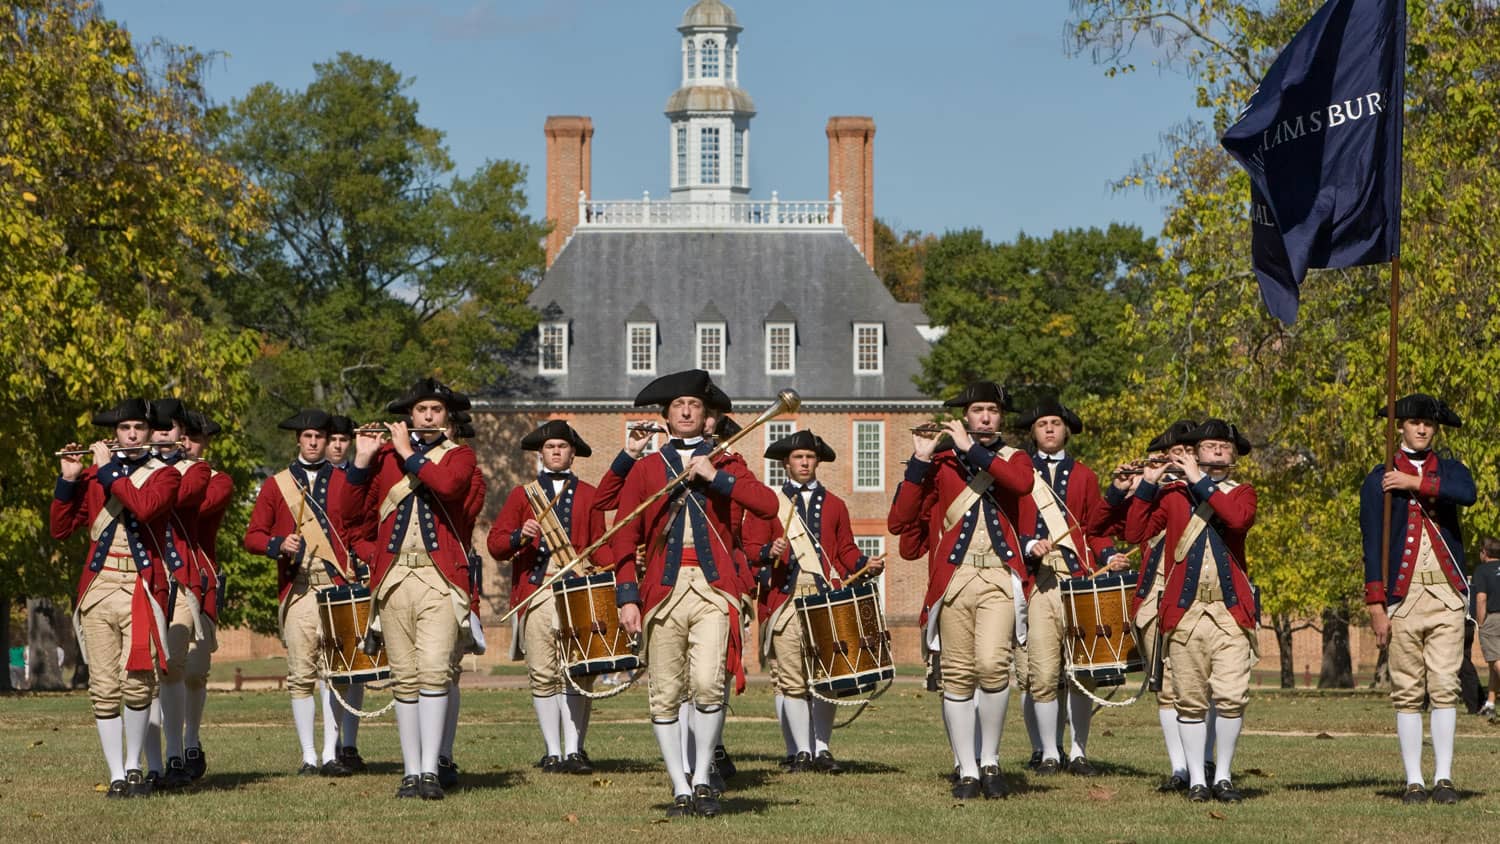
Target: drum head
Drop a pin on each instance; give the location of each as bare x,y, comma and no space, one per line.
570,584
343,594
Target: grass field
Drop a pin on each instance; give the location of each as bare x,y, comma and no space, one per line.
1314,766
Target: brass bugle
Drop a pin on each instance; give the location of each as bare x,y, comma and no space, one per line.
115,446
647,427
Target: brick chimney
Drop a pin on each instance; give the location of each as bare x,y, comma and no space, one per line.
851,172
569,159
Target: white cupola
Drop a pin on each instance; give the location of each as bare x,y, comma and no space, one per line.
710,116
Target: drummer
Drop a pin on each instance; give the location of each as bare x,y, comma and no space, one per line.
689,594
807,549
970,491
1209,608
1066,497
293,524
461,429
562,710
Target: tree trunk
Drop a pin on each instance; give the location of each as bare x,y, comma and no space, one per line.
5,684
1382,671
42,638
1338,665
1283,627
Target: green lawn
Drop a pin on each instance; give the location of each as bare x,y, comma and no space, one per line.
1340,786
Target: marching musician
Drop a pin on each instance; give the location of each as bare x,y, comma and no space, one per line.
187,594
1209,609
340,438
297,523
686,604
411,494
971,494
461,428
1066,497
124,500
1417,596
809,548
199,434
519,535
1152,582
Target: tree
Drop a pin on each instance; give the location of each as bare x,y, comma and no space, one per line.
379,265
1307,393
899,259
113,213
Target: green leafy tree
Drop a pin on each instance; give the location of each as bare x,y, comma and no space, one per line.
114,214
899,259
1307,393
379,264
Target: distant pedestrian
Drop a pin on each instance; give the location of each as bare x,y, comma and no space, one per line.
1484,590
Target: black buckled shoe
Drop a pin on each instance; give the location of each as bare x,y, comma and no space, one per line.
153,784
352,760
953,777
802,762
682,806
967,788
715,779
824,763
1198,794
551,765
136,784
118,790
992,784
308,769
408,787
447,773
176,775
428,787
1035,761
787,761
1443,793
335,768
1173,784
196,762
1049,767
577,763
1225,792
1081,767
724,763
705,801
1415,794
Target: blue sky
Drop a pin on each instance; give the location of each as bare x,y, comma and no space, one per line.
982,120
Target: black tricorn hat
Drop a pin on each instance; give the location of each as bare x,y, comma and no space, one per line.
307,419
725,427
1423,406
1172,436
463,424
198,424
1051,407
167,412
429,389
341,425
981,391
130,410
803,440
556,429
1217,429
689,382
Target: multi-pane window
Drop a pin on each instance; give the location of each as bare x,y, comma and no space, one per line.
708,156
692,59
710,59
781,353
869,456
729,52
739,157
554,348
775,472
711,347
874,546
869,345
682,155
640,348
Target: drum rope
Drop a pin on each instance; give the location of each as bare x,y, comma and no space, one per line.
326,676
1070,623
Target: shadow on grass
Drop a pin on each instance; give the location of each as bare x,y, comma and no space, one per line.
1382,786
225,782
489,781
626,766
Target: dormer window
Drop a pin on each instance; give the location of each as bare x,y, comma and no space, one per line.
781,348
869,348
710,59
640,348
553,349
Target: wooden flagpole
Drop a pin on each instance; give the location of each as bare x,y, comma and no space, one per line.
1390,420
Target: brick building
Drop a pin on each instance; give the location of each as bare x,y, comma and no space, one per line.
763,293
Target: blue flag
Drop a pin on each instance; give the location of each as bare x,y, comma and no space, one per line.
1321,140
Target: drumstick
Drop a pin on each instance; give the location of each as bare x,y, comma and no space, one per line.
1103,568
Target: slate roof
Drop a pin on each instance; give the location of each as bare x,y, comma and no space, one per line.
602,279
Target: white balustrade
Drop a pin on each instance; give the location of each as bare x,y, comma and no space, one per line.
693,214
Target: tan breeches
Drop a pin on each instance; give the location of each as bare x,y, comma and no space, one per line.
187,658
1426,650
302,631
687,639
106,626
1046,637
976,627
418,620
1211,657
544,666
